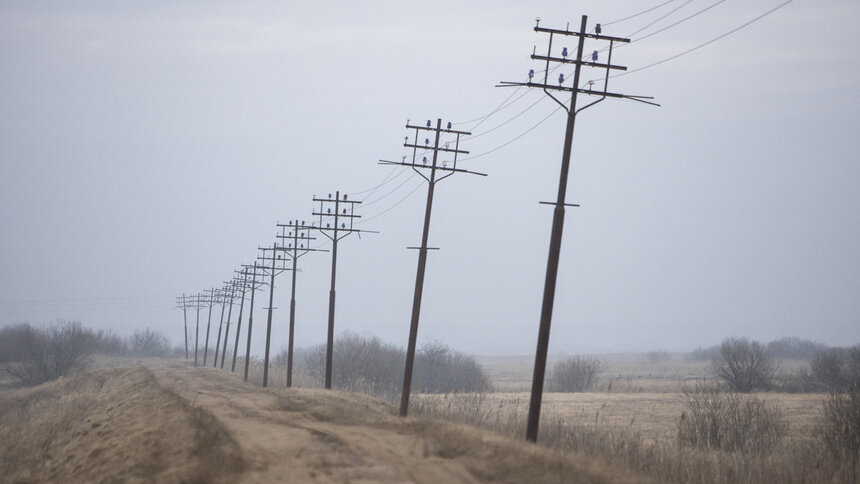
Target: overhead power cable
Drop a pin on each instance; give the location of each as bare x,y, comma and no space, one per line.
715,39
497,148
670,12
638,14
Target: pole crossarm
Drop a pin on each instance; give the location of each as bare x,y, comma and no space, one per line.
334,209
565,60
447,150
555,87
538,28
441,130
440,168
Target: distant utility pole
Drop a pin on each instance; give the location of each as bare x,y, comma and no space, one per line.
198,305
220,326
558,212
276,259
254,284
433,167
183,304
297,243
212,296
335,233
232,284
242,278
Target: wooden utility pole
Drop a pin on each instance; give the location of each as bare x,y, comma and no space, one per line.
335,233
296,241
276,259
560,204
431,179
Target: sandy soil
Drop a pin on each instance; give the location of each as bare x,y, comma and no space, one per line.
180,424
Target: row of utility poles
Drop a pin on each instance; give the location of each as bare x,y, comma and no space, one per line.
336,220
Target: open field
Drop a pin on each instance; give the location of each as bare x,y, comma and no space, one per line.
160,420
624,373
175,423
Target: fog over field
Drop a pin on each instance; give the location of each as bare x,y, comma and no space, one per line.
148,148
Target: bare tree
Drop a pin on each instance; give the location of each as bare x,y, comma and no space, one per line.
716,419
575,374
837,368
47,353
148,343
744,365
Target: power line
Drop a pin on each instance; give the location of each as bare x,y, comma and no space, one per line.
497,148
368,219
661,18
509,120
696,14
637,14
715,39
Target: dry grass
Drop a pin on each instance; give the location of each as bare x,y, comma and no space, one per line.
110,426
639,432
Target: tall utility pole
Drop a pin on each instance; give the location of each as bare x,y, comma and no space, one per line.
433,167
254,285
297,243
334,233
220,326
183,304
242,279
198,305
276,259
212,298
558,212
232,284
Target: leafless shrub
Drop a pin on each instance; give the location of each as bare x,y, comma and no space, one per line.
108,343
440,370
368,365
794,348
837,368
148,343
47,353
716,419
839,424
744,365
575,374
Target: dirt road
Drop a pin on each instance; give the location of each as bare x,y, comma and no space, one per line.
186,425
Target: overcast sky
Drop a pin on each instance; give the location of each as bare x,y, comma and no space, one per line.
148,148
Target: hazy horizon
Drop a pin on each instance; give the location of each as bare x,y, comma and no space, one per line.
147,150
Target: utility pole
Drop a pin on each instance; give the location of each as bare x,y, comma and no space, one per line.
243,280
220,326
212,295
335,233
254,285
433,167
297,242
232,284
198,305
558,211
183,304
276,258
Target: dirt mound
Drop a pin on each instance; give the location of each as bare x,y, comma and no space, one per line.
114,425
173,424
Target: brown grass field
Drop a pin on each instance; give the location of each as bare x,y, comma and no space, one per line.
175,423
151,420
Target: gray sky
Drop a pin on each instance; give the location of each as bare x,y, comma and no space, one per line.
148,148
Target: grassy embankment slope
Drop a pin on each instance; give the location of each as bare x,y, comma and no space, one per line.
180,424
